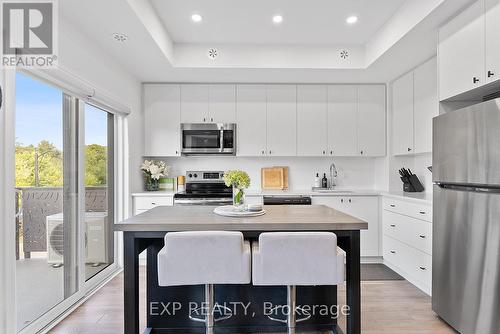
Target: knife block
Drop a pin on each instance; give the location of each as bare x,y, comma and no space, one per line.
412,184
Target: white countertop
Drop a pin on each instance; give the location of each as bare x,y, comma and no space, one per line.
159,193
425,197
309,192
414,197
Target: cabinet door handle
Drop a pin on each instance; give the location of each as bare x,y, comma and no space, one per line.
361,152
324,152
422,236
393,225
341,200
263,152
423,268
409,149
211,119
392,205
153,203
176,152
422,212
393,252
490,74
475,80
331,152
350,201
204,119
270,152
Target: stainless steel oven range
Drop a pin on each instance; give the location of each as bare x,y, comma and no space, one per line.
204,188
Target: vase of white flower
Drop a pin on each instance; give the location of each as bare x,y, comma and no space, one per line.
153,171
240,181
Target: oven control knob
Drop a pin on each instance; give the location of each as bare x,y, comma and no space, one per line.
190,175
195,175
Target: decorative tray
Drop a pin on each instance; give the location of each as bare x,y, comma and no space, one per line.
231,211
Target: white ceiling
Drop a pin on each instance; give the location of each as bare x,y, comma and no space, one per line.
151,50
306,22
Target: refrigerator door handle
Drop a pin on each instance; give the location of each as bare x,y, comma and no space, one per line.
471,188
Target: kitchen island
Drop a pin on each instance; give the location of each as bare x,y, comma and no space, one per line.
147,230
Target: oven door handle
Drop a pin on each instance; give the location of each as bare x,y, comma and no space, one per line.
202,201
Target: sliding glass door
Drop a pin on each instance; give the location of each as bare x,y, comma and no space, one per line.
46,179
99,186
64,194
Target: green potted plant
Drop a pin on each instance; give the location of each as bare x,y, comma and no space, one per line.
240,181
153,171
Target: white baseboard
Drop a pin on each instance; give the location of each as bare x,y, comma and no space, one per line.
372,259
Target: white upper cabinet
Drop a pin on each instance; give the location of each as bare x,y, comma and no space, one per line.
414,103
208,103
194,103
162,115
251,120
282,120
461,52
272,120
402,111
426,105
222,104
492,40
371,120
342,120
311,120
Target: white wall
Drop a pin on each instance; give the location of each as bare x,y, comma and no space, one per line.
418,165
82,57
358,173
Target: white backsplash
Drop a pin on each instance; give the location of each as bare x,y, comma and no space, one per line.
356,173
418,165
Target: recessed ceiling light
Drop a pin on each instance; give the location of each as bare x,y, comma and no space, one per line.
352,19
119,37
196,18
277,19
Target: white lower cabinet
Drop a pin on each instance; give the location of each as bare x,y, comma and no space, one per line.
363,207
407,241
143,203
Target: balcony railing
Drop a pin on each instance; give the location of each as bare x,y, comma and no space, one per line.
34,204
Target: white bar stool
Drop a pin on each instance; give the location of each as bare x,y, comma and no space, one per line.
297,258
208,258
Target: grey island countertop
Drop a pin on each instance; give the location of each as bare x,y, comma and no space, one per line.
277,218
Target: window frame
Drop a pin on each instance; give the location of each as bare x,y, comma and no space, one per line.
119,201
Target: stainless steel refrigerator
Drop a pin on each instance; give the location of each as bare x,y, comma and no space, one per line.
466,222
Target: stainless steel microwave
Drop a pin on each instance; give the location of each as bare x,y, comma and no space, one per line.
208,139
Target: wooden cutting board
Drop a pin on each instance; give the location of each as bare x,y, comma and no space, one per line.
272,178
285,176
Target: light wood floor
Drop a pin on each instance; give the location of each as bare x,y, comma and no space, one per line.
389,307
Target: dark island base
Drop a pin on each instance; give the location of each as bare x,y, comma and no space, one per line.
169,307
245,330
136,242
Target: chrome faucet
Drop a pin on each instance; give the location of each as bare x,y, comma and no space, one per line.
333,175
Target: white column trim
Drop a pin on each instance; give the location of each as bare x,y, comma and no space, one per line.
7,204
